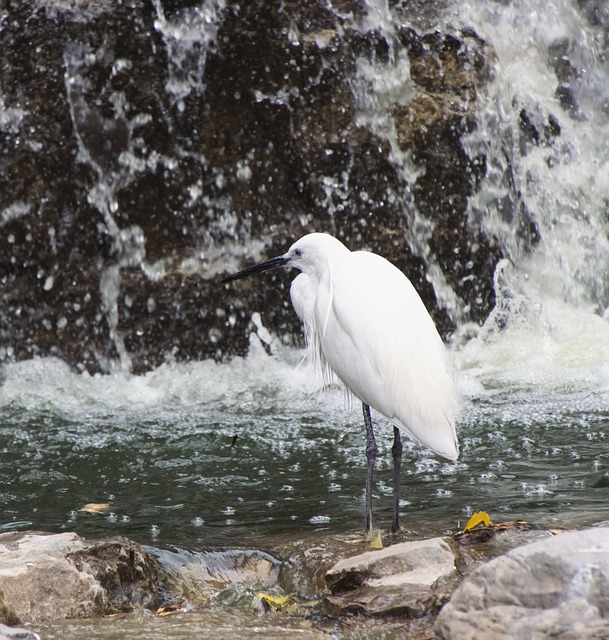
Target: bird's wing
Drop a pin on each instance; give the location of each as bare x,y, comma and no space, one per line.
379,339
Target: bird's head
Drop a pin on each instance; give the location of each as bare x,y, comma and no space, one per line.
312,254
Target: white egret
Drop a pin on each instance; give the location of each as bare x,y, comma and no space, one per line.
365,321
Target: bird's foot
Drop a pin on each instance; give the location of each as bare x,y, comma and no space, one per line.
373,539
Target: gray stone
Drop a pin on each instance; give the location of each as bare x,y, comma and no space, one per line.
53,576
558,588
411,579
17,633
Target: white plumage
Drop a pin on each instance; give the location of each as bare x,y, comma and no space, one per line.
365,321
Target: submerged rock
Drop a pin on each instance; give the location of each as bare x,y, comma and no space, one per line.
52,576
200,576
411,579
552,588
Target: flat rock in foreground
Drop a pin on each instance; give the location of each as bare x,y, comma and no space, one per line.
411,579
553,588
51,576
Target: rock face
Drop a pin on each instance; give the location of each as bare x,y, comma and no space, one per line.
553,588
51,576
410,579
148,148
16,633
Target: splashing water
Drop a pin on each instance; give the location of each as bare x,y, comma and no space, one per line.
544,198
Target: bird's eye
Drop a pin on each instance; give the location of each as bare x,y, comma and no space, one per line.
298,252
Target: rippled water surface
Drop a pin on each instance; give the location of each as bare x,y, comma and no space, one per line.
210,455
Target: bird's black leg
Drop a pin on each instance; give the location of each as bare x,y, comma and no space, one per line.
371,453
396,452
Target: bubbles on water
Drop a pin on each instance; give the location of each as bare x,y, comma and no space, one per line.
529,490
430,478
527,443
320,519
384,488
553,479
197,521
424,465
444,493
497,465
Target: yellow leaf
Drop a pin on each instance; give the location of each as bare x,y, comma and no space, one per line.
274,602
481,517
376,542
95,507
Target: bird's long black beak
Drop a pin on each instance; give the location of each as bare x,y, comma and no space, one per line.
273,263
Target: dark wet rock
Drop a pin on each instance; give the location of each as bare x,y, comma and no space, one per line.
552,588
138,166
53,576
410,579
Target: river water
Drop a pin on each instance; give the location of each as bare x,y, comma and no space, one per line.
205,455
214,455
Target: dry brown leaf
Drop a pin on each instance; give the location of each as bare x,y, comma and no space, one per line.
482,532
95,507
168,609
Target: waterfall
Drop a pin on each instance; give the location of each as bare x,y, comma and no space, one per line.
543,127
545,193
464,141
